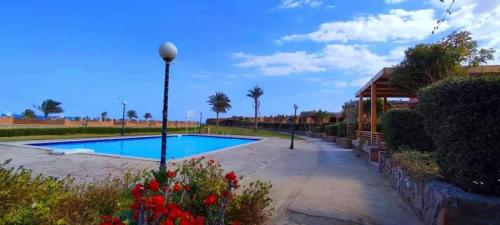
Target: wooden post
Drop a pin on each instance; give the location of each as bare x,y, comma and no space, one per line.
385,104
373,112
360,112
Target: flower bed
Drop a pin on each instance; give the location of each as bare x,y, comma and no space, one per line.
195,193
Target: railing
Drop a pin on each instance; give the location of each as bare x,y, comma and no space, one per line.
375,140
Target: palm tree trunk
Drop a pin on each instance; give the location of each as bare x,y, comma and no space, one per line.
217,120
255,115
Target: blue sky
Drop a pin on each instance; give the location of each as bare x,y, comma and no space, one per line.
91,55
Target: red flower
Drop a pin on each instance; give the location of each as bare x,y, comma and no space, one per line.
148,203
177,187
137,191
167,222
187,188
158,200
174,213
210,200
231,176
154,185
199,220
170,173
235,222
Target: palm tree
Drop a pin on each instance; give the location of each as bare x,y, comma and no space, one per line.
49,106
28,113
255,93
104,116
148,116
220,103
131,114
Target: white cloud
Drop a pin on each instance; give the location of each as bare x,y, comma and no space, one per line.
290,4
391,2
480,17
398,24
350,58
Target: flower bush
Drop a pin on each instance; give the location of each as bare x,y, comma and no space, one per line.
27,199
196,193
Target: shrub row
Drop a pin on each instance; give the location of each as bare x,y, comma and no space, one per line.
331,129
462,117
318,129
341,129
405,129
77,130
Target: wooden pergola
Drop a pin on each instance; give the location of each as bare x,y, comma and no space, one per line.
377,87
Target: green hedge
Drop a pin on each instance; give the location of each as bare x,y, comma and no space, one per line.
331,130
77,130
463,117
341,129
318,129
404,129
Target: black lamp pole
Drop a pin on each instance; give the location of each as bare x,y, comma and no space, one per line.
164,125
295,107
123,119
168,51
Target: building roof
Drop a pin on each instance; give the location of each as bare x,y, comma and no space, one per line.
384,89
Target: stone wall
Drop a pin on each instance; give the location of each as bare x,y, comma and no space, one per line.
344,142
439,203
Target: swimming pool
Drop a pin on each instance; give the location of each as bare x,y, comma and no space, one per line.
178,146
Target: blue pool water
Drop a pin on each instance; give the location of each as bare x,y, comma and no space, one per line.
149,147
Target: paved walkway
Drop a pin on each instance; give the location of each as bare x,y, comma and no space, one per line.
319,183
316,183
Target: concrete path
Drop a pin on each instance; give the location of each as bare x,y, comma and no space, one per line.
319,183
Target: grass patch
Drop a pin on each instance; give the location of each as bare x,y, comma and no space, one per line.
213,130
41,136
418,165
247,132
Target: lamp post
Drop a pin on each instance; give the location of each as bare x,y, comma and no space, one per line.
167,51
295,107
123,118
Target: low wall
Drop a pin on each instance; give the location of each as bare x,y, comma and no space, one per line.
6,120
439,203
344,142
38,122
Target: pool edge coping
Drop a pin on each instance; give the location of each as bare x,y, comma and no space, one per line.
26,144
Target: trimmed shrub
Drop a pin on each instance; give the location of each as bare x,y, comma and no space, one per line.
463,117
318,129
405,129
331,130
341,129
